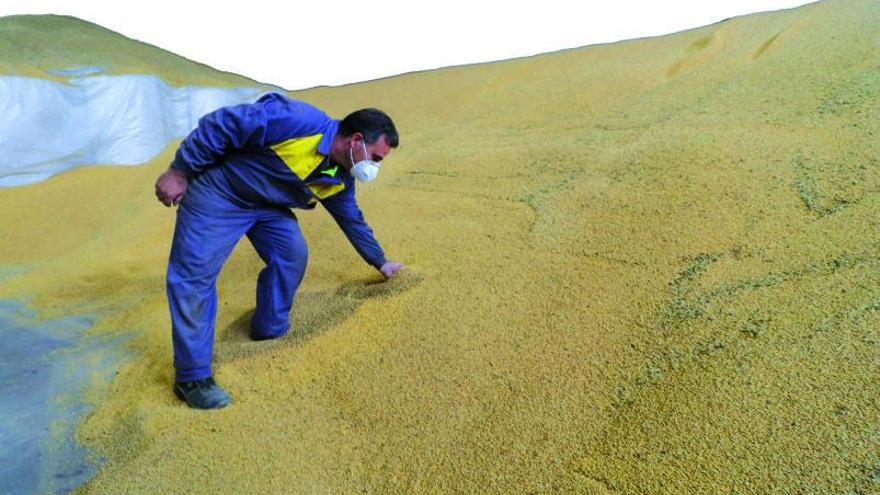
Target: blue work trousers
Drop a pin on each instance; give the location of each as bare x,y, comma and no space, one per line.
209,224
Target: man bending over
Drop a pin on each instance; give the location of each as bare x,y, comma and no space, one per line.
239,173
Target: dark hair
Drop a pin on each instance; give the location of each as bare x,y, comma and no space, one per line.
372,123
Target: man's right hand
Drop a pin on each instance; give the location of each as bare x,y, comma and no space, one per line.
390,268
171,186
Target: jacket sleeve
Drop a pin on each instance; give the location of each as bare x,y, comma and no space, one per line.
271,119
350,219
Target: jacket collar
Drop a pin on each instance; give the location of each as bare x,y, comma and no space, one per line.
329,135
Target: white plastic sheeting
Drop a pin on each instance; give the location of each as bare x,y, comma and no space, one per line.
48,127
78,71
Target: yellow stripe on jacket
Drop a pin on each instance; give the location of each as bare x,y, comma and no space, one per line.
302,158
300,154
326,190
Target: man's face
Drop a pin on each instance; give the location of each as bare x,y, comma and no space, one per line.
375,151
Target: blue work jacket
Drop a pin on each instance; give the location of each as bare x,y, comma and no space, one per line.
275,152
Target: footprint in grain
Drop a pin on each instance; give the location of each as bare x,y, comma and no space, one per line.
312,314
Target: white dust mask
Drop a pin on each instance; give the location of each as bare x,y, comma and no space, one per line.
364,170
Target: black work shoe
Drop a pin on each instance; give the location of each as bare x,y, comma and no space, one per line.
202,394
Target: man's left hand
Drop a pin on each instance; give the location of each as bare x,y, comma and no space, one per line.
171,186
390,268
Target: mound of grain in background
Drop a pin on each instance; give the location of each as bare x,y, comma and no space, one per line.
646,267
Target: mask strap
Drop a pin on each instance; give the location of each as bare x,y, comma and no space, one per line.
367,155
